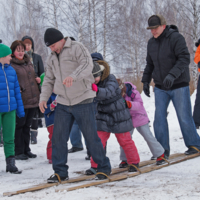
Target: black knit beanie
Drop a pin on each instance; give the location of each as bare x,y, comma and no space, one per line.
52,36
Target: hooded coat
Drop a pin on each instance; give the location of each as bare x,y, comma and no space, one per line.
28,85
37,59
137,111
112,115
167,54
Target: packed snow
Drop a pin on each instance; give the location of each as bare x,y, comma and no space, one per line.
180,181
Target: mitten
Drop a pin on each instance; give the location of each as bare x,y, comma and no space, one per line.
53,105
20,115
94,87
168,81
146,89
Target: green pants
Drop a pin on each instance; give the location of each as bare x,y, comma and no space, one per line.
7,121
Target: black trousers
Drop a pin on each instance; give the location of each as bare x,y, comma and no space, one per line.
196,113
34,123
22,132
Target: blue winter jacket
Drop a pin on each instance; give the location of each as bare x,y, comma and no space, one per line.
48,114
10,96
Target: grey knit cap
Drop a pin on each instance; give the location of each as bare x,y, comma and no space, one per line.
97,69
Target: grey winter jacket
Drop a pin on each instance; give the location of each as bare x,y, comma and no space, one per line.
75,61
112,115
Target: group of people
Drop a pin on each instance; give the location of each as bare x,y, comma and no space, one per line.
78,89
20,70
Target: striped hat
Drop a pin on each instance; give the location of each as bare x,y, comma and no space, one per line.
97,69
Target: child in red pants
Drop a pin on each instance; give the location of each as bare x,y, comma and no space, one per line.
49,120
112,114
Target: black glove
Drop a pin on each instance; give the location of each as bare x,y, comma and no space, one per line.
168,81
199,65
146,88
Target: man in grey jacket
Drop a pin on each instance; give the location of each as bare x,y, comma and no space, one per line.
69,74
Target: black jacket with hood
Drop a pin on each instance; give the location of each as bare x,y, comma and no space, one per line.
112,114
167,54
37,59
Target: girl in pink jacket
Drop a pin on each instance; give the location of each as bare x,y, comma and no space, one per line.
140,121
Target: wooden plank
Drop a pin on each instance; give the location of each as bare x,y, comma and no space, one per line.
78,179
145,169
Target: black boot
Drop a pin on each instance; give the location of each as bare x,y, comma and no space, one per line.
30,155
34,134
10,165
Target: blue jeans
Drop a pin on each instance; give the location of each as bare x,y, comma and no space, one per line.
75,136
181,100
85,118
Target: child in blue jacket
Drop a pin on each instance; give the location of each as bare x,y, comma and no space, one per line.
49,119
10,105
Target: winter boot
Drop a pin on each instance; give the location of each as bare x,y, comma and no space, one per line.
153,158
30,155
192,150
55,179
102,176
10,165
74,149
34,134
87,157
123,164
159,160
91,171
133,167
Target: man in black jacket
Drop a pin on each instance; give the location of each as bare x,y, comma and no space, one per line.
39,69
167,63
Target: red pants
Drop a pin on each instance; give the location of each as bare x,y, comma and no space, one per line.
125,142
49,145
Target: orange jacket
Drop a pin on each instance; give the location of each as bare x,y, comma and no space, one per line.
197,56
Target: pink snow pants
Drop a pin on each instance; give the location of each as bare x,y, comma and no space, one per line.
125,142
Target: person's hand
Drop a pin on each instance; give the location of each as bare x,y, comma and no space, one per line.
128,104
198,66
146,89
43,105
20,115
168,81
94,87
38,80
53,105
68,81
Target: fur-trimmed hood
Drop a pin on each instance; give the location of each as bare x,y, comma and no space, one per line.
26,60
106,71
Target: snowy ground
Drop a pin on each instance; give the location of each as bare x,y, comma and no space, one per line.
180,181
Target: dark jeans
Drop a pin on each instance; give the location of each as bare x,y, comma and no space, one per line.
22,132
196,113
181,100
85,118
75,136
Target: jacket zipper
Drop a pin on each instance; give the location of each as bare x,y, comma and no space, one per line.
63,85
159,62
7,88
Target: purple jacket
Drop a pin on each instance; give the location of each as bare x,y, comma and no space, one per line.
137,111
